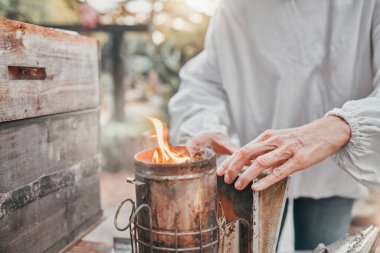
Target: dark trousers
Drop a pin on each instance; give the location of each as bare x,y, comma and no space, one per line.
319,220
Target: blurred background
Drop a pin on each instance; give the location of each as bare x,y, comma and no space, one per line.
143,45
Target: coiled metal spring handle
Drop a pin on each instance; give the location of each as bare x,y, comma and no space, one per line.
132,220
130,217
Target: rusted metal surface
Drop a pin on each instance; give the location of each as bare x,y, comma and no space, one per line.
237,208
26,73
364,241
181,201
254,216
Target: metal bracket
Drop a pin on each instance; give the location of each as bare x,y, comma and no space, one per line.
140,186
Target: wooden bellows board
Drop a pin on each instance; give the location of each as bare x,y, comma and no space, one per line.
49,137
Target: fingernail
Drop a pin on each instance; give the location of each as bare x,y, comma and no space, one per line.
219,171
226,179
238,185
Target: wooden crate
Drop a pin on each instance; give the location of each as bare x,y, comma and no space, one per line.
49,137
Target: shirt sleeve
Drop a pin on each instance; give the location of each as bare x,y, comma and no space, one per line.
361,156
200,105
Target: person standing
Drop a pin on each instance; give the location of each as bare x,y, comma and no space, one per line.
295,84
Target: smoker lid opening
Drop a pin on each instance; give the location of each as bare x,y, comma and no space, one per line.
198,155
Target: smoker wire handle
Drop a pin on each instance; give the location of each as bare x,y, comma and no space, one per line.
117,215
133,219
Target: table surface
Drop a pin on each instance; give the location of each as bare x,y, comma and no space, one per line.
89,247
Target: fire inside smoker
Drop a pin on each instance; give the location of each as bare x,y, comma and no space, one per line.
176,198
164,153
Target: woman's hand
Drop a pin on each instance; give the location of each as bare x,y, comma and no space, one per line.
220,143
283,152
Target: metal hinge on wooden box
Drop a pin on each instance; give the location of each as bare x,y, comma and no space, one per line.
49,143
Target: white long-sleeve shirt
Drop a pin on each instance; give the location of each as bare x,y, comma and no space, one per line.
278,64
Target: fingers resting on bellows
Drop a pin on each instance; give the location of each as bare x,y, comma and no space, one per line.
244,155
261,163
276,175
231,167
270,151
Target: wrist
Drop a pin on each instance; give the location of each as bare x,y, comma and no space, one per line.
329,130
339,129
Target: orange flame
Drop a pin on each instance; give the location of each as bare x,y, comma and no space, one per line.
164,154
155,157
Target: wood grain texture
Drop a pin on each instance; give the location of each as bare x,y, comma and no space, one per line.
41,146
48,184
52,221
49,137
69,65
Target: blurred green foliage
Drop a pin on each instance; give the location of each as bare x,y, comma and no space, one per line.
40,11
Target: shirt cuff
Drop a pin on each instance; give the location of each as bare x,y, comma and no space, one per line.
353,122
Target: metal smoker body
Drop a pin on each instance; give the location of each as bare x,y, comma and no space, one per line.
176,205
176,210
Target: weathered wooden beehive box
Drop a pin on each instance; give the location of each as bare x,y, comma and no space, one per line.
49,145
